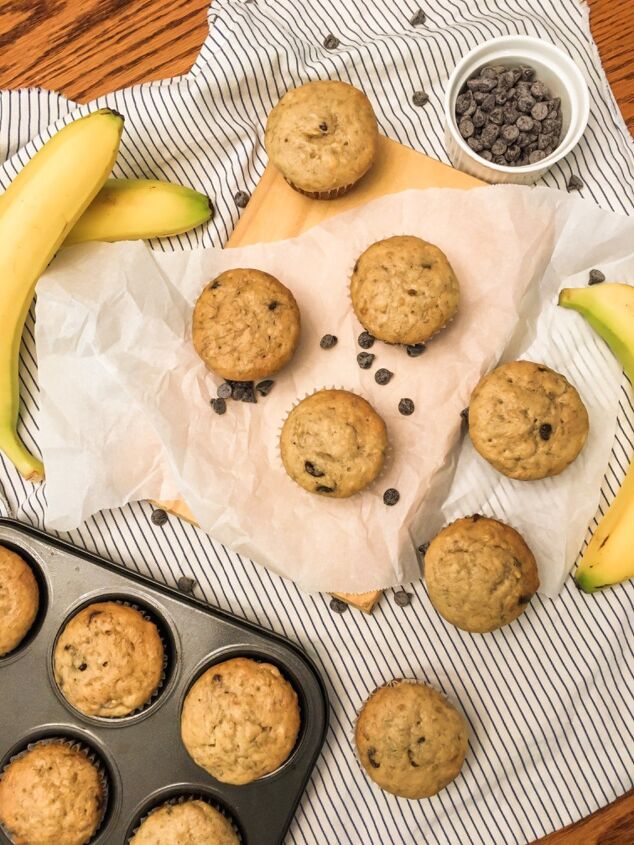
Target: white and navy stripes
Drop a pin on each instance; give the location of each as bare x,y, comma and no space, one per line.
549,698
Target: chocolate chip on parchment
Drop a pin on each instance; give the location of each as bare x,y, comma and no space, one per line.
382,376
331,42
243,391
337,605
418,18
328,341
241,199
574,184
185,584
402,598
464,414
365,360
311,469
406,407
422,549
545,430
264,387
391,496
420,98
219,406
159,517
224,390
415,349
365,340
596,277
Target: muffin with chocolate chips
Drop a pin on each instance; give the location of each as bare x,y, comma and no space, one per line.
480,574
322,137
527,420
410,739
333,443
245,325
403,290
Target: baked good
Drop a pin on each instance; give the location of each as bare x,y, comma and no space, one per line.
240,720
188,823
245,325
527,421
480,574
52,794
108,660
322,137
403,290
19,600
410,740
333,443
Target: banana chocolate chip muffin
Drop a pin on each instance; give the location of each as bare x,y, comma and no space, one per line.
527,420
188,823
108,660
410,740
333,443
322,137
52,794
245,325
403,290
19,600
240,720
480,574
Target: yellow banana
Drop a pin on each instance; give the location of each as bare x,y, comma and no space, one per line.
131,209
39,208
609,557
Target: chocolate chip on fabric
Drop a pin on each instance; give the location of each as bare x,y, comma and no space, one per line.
338,606
264,387
574,184
596,277
415,349
419,18
402,598
391,496
185,584
241,199
328,341
406,407
420,98
382,376
331,42
224,390
159,516
219,406
365,360
365,340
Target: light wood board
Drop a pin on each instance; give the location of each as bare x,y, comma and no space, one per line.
276,212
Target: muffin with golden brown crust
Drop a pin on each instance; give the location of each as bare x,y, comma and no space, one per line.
19,600
188,823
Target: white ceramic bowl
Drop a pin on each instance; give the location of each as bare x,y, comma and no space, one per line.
554,68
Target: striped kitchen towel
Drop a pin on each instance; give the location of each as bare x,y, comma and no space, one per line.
549,698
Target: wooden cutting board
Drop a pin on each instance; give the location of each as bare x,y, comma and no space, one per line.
276,212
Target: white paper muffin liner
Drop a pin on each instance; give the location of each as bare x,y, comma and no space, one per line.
183,798
332,194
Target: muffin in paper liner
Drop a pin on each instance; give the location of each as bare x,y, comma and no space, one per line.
387,455
148,616
233,837
94,758
444,769
332,194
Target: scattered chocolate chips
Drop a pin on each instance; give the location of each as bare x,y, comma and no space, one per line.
224,390
382,376
264,387
596,277
391,496
185,584
372,758
545,430
311,469
365,360
219,406
321,488
365,340
159,517
574,184
337,605
420,98
406,407
241,199
243,391
415,349
419,18
402,598
328,341
331,42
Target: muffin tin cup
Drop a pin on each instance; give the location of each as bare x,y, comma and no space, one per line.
168,657
143,754
89,752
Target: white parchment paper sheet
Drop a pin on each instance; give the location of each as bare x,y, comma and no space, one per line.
125,400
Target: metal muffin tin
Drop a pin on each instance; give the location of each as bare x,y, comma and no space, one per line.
143,755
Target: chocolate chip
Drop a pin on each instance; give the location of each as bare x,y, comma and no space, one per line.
402,598
528,73
486,155
323,127
489,135
365,360
463,101
331,42
475,144
219,406
510,113
539,90
497,116
488,73
476,517
406,407
499,148
264,387
499,160
338,606
410,757
419,18
507,79
224,390
423,549
501,98
216,678
82,667
420,98
328,341
382,376
524,123
596,277
545,141
489,102
539,111
420,740
185,584
574,184
159,517
466,127
525,103
241,199
243,391
214,285
311,469
481,83
478,118
524,599
545,430
365,340
465,415
512,153
273,305
415,349
480,96
391,496
93,615
510,133
321,488
371,752
535,156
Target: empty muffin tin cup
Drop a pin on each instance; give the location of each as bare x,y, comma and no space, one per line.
554,68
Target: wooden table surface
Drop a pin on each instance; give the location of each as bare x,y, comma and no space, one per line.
84,48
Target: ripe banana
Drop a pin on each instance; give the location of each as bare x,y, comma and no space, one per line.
131,209
609,557
39,208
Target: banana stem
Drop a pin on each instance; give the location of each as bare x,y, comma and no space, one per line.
29,467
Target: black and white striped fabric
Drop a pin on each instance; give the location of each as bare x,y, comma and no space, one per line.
548,699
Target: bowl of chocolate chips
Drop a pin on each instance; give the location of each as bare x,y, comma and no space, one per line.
514,107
